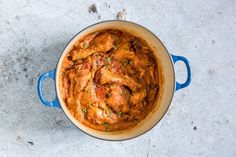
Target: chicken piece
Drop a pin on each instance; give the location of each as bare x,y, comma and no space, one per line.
138,96
95,115
70,98
98,60
101,115
65,84
67,62
123,52
119,99
86,41
151,94
101,92
87,96
115,67
150,75
83,75
81,53
125,57
124,41
105,76
82,79
140,61
71,75
130,82
102,42
129,70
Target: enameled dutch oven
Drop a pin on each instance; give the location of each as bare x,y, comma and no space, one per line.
168,87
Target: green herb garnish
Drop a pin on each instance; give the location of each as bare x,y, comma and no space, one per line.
108,59
106,125
120,113
84,110
109,113
124,92
85,46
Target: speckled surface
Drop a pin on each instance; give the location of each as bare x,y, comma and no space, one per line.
202,118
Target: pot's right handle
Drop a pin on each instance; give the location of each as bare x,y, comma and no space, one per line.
49,74
188,80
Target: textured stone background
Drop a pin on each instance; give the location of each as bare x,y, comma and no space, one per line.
202,118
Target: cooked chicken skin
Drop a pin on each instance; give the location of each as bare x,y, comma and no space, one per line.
105,76
109,80
101,43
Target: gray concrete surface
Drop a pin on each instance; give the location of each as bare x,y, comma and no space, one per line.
202,118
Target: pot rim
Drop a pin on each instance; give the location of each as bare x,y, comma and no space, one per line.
107,21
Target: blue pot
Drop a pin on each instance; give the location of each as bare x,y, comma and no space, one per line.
166,91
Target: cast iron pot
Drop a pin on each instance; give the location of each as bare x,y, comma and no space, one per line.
168,86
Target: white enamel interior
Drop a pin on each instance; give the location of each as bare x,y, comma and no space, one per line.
166,90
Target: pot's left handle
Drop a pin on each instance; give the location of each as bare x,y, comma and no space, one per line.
42,77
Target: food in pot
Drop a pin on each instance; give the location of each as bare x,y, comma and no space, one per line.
109,80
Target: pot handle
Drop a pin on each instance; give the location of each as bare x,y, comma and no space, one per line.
49,74
188,80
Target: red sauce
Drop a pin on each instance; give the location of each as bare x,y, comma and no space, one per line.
109,80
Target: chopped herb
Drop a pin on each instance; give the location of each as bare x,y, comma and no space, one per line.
85,46
106,125
84,110
108,59
124,92
120,113
109,113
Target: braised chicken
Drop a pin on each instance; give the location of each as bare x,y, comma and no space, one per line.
109,80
